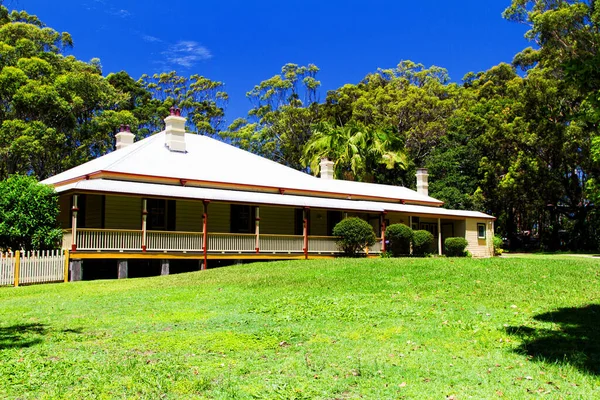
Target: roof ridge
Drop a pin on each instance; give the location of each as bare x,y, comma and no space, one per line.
140,145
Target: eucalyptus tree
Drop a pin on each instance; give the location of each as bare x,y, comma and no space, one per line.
55,111
201,99
284,107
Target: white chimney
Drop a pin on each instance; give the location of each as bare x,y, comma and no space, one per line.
124,137
422,182
175,131
326,168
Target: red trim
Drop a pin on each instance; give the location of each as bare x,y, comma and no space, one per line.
144,249
257,250
73,247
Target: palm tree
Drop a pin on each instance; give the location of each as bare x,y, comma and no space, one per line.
354,148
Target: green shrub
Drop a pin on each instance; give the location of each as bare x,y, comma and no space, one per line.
455,246
28,215
399,237
354,234
422,241
498,243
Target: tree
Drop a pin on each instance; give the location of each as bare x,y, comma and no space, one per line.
202,100
284,109
567,36
28,215
56,112
410,101
356,150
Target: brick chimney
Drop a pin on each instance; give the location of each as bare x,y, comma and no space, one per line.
124,137
175,131
422,182
326,168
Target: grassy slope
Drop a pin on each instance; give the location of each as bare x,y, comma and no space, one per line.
427,328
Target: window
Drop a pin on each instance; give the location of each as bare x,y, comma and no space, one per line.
333,218
242,219
480,231
161,215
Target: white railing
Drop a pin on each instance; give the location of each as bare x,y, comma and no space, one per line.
231,242
131,240
42,266
322,244
108,239
7,269
178,241
281,244
376,248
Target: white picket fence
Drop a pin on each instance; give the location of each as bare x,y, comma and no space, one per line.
7,269
32,267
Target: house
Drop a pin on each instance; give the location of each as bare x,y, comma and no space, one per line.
177,196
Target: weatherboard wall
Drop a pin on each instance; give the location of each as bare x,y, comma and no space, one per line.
479,247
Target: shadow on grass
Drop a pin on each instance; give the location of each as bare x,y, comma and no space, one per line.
575,340
27,335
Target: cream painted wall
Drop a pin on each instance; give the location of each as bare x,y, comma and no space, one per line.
188,216
480,247
93,211
318,223
123,212
276,220
219,215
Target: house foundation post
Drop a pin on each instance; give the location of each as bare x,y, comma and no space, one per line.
257,229
123,269
164,267
76,271
383,228
305,231
205,234
74,210
144,223
440,236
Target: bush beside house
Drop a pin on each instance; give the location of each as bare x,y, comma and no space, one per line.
400,237
455,246
498,243
354,234
422,241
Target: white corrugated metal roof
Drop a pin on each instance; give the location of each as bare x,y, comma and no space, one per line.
196,193
412,209
210,160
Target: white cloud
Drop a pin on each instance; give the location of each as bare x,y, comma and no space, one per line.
150,39
186,53
122,13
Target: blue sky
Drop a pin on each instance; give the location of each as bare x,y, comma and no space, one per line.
244,42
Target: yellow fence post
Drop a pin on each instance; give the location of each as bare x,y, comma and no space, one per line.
66,265
17,267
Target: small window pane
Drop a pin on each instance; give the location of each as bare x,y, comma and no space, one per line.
481,231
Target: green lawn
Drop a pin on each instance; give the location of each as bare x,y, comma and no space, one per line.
376,329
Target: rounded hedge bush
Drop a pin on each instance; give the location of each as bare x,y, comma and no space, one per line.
422,241
354,234
498,243
399,236
455,246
